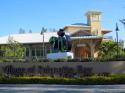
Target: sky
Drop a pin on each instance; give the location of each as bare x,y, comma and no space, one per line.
35,14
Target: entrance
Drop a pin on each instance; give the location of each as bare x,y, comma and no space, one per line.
82,52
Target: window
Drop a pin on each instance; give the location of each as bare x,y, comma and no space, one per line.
38,52
95,18
33,52
41,51
27,52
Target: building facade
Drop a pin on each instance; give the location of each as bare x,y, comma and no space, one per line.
86,39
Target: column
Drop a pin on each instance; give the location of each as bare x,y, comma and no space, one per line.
92,48
30,52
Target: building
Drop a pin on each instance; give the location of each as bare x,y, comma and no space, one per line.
85,38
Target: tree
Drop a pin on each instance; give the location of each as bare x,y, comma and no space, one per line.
44,29
107,50
123,21
54,30
30,31
21,31
14,49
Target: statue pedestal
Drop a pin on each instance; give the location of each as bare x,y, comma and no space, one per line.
60,55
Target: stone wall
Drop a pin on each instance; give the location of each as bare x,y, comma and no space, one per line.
62,68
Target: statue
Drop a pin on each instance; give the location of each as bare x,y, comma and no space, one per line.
62,43
61,46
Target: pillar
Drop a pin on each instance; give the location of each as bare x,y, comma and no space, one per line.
92,47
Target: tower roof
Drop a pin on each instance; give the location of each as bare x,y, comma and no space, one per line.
93,12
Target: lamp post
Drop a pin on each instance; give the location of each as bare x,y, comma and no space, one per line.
123,22
117,29
42,33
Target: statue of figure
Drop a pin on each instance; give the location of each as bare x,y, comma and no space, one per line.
62,43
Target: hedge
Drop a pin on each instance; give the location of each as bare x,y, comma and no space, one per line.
93,80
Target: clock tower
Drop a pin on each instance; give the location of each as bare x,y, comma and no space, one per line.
94,21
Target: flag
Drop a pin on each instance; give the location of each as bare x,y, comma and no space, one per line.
117,29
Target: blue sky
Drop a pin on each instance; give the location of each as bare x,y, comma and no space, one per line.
35,14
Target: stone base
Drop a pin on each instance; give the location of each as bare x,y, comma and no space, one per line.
60,55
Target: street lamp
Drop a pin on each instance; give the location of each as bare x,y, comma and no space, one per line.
123,22
117,29
42,33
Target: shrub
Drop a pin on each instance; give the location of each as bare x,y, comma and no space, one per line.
73,60
93,80
60,60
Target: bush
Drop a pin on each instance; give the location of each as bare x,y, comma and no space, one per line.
60,60
93,80
73,60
